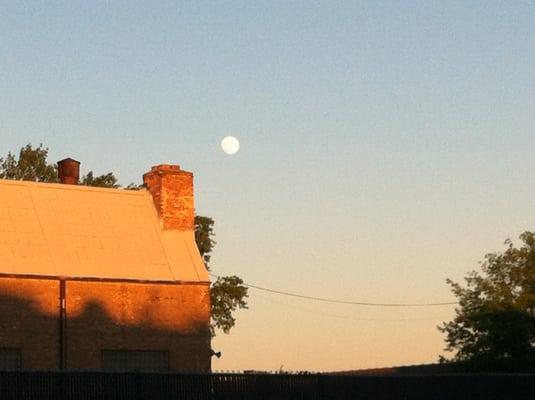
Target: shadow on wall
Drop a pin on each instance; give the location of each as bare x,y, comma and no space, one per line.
94,340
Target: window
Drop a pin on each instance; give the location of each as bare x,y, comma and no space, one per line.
10,358
135,360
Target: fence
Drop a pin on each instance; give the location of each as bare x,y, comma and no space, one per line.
133,386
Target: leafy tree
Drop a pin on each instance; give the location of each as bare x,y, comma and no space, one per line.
204,237
227,293
31,165
107,180
494,325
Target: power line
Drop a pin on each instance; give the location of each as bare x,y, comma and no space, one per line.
338,301
350,317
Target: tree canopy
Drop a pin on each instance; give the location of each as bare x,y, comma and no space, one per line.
106,180
494,325
31,165
227,293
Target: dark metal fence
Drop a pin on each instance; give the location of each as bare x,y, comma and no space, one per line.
132,386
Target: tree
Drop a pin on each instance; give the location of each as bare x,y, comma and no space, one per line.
227,293
107,180
494,325
31,165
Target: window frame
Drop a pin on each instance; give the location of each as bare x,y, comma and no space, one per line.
17,352
132,364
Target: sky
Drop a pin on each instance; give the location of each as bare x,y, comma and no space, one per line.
385,147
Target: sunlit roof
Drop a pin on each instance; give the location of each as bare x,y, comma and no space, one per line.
86,232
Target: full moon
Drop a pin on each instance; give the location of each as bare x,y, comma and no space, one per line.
230,145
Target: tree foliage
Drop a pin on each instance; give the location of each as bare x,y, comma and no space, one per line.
31,165
204,237
106,180
227,293
494,325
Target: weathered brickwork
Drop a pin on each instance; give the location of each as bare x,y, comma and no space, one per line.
172,191
29,311
134,316
141,288
100,316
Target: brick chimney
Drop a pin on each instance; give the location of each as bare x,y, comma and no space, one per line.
172,192
69,171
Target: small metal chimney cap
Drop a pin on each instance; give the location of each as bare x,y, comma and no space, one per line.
69,171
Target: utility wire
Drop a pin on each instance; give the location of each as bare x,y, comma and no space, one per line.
349,317
338,301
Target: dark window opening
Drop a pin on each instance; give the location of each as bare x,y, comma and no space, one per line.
10,358
135,360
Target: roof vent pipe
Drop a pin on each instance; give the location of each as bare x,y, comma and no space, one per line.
69,171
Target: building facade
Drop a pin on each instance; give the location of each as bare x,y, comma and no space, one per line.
102,279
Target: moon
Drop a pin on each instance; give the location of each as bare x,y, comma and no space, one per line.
230,145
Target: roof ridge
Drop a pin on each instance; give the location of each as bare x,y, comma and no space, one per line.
62,186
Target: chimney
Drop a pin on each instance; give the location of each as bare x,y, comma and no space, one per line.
69,171
172,193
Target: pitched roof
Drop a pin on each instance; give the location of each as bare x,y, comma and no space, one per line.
86,232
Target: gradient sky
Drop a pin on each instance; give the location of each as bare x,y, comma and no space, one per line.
385,146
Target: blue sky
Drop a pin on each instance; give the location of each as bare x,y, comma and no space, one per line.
385,146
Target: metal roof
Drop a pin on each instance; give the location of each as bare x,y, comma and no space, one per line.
85,232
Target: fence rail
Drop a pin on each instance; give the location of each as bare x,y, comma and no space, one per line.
132,386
